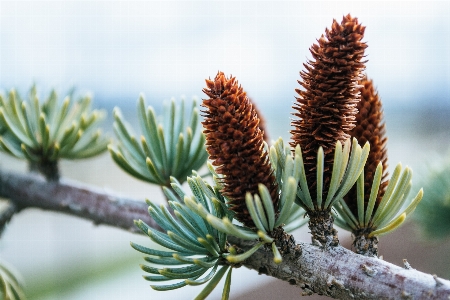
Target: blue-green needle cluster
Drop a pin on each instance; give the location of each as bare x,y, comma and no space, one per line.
318,200
43,132
285,165
346,168
196,251
174,147
390,213
262,212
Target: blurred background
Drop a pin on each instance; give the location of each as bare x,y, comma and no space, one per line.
118,50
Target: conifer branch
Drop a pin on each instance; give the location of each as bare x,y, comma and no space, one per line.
338,273
75,199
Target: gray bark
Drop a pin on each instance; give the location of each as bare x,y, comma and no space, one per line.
335,272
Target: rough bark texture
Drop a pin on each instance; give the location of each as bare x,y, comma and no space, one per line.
326,108
321,226
364,244
50,169
342,274
285,243
74,199
337,272
235,144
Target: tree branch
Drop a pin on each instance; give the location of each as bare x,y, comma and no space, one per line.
337,272
72,198
6,213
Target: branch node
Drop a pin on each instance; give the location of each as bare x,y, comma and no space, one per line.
406,295
338,283
369,271
7,211
321,226
297,251
263,270
406,264
333,281
438,280
315,242
330,281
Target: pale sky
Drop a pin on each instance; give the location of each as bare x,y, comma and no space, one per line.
117,50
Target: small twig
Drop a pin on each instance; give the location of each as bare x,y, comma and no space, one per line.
406,264
439,282
6,213
49,169
369,271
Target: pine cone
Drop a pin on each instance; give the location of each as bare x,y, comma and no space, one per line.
326,108
262,121
370,128
234,142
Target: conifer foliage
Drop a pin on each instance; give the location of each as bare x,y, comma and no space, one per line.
374,206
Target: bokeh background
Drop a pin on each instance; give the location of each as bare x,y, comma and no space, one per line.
118,50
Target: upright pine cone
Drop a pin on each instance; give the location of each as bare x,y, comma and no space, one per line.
370,128
234,142
326,108
262,121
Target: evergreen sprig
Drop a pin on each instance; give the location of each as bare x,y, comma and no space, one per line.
44,132
267,221
197,251
369,128
347,165
285,165
174,147
372,221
